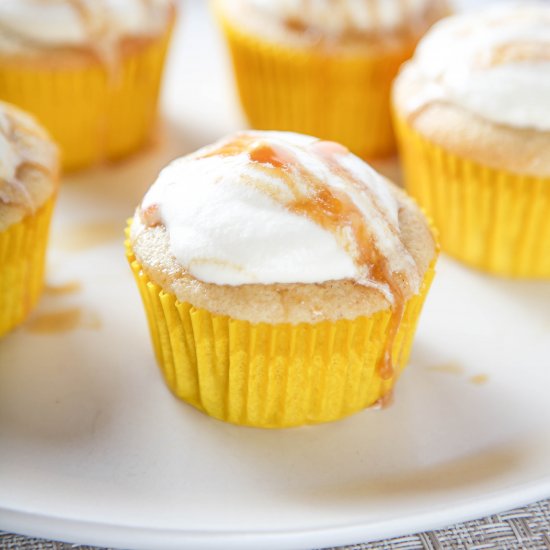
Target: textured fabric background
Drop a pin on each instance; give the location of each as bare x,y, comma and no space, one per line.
521,529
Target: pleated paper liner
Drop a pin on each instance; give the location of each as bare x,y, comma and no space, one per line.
343,98
22,259
94,112
490,219
272,375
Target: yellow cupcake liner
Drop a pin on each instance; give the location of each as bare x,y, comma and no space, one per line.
339,97
490,219
94,112
273,375
22,260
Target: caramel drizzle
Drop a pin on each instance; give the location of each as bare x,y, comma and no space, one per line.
374,12
101,36
412,21
518,52
333,210
96,21
370,259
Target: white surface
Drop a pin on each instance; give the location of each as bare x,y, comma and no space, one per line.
94,449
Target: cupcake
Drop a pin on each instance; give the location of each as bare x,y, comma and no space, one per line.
90,71
28,184
282,279
324,68
472,111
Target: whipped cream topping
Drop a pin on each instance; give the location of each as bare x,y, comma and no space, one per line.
334,17
22,142
278,207
29,24
494,63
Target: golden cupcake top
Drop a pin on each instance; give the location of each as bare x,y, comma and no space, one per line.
281,227
28,165
35,25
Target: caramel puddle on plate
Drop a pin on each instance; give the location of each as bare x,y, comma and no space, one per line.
71,287
479,379
64,320
448,368
87,235
455,369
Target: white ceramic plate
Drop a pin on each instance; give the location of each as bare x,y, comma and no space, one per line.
94,449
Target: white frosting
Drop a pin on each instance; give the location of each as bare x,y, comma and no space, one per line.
230,219
52,23
9,156
495,64
22,141
338,16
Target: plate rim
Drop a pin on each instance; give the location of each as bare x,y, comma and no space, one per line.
81,531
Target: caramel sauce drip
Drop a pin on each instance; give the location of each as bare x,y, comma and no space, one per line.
295,25
368,258
264,154
94,26
412,24
333,210
230,147
374,12
103,38
386,401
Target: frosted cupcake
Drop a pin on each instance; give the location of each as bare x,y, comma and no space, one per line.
89,70
282,279
28,185
324,68
473,116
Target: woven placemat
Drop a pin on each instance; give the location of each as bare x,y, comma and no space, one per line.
525,528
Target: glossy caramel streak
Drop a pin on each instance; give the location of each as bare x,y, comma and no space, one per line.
516,52
373,260
264,154
374,12
232,146
89,22
103,36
